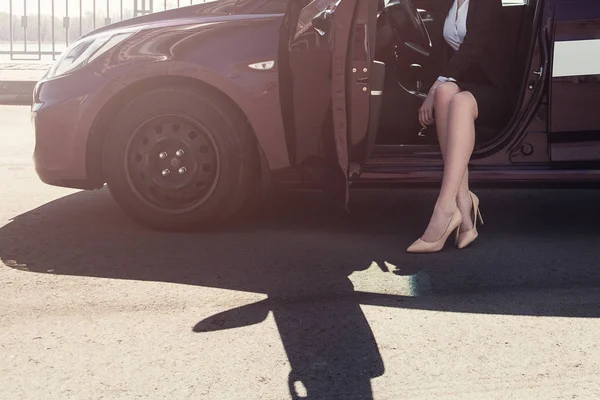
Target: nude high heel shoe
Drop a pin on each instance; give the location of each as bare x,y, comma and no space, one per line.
466,238
421,246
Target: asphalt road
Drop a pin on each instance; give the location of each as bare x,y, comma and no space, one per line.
296,298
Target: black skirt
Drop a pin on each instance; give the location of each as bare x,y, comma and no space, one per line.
493,104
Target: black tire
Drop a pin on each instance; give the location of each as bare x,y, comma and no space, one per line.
216,127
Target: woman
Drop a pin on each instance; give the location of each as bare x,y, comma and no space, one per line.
471,87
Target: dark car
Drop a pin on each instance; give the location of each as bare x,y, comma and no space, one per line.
189,113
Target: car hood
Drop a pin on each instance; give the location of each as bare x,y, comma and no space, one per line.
212,11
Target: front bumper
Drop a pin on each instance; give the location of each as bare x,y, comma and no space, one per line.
63,114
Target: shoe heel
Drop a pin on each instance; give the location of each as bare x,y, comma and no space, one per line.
480,217
421,246
457,236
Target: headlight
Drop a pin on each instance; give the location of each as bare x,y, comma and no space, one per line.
86,50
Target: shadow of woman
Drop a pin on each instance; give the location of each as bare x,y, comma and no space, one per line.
329,344
328,341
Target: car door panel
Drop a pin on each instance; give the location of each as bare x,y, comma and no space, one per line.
575,89
576,67
320,106
365,84
304,67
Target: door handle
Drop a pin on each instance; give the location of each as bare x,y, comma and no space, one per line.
425,15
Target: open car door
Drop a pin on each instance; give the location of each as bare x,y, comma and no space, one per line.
326,86
575,87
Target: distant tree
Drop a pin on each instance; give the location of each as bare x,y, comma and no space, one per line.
17,31
4,26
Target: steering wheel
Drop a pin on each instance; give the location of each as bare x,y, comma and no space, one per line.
419,40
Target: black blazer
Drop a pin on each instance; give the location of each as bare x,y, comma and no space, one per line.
484,47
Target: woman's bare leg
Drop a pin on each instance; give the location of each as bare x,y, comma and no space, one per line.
443,98
465,204
457,146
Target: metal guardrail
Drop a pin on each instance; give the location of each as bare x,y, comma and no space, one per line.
41,29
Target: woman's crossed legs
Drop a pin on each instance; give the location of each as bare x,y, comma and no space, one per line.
455,115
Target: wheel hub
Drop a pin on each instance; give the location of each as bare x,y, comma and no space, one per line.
175,162
172,163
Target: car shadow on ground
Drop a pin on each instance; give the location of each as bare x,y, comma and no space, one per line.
301,253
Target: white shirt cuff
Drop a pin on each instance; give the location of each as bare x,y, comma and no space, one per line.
445,79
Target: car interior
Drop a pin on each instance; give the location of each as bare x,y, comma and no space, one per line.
403,57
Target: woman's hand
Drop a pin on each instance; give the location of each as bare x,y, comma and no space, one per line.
426,111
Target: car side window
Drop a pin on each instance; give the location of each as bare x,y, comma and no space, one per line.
312,10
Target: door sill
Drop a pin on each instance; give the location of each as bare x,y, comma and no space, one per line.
410,150
402,171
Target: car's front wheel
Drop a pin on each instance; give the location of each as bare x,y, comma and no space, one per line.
177,158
